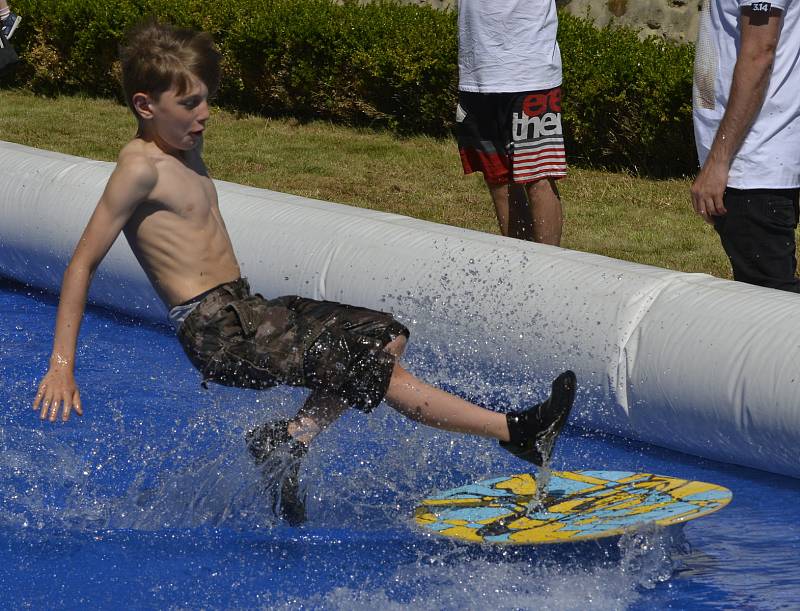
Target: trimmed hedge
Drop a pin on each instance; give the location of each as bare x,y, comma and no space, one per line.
379,64
627,103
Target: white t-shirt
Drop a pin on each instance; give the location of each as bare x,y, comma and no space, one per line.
507,45
769,157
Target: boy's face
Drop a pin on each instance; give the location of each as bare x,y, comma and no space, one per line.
176,121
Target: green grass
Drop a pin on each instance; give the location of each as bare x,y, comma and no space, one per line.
613,214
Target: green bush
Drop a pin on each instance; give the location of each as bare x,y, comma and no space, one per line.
382,64
627,103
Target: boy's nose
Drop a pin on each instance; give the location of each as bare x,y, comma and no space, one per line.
204,113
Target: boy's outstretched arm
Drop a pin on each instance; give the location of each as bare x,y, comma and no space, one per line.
130,184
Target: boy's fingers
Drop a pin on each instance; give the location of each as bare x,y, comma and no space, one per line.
49,404
39,396
65,407
45,408
54,409
69,405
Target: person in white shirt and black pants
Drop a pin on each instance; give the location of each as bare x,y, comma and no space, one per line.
747,127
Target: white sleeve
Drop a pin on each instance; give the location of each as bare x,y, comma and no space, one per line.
781,5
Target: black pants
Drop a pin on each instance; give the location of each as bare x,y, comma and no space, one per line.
758,235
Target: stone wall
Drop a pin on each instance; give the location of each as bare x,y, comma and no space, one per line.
674,19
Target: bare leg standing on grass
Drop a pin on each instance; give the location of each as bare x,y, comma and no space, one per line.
508,117
529,212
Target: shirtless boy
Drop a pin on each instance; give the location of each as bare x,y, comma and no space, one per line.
161,197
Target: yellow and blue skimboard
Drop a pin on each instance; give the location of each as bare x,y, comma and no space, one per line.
578,505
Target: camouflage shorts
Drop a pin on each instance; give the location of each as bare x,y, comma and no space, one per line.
238,339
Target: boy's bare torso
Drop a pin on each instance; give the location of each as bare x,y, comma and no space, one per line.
177,234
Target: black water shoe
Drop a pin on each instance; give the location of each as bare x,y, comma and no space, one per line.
279,456
534,431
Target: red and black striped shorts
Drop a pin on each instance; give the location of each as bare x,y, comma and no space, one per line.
511,137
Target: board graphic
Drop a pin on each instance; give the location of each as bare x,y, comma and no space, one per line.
579,505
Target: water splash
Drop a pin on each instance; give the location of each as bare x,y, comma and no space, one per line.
455,581
647,553
543,477
154,488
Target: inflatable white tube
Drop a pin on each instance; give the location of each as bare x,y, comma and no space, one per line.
685,361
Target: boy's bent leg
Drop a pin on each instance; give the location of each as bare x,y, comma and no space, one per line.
279,456
546,215
279,447
319,411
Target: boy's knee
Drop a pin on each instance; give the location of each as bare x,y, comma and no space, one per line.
397,346
400,376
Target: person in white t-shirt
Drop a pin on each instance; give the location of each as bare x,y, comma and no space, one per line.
508,120
747,127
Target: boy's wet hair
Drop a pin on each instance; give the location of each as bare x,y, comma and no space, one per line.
156,57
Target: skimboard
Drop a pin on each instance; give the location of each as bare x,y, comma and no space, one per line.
578,506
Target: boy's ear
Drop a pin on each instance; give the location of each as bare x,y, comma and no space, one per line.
142,105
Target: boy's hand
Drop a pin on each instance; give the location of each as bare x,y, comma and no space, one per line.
58,390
